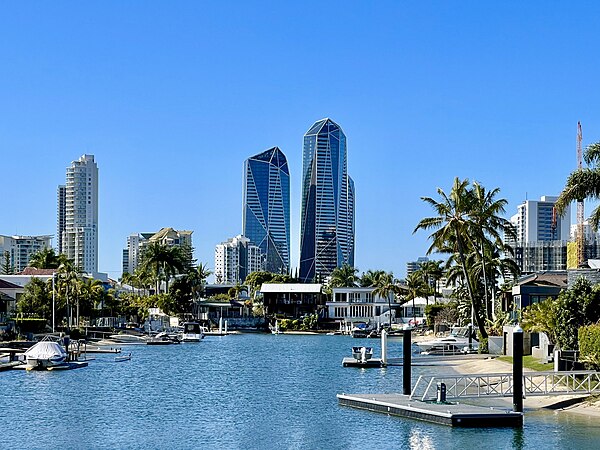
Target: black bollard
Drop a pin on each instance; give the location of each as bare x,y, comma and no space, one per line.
518,369
470,337
406,364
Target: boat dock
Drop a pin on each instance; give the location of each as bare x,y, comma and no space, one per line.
353,362
450,414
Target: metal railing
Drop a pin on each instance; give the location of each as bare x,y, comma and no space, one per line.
501,384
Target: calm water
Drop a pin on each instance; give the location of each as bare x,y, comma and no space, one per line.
241,392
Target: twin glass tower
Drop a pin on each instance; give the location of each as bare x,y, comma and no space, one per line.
328,201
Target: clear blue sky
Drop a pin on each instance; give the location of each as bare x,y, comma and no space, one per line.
171,97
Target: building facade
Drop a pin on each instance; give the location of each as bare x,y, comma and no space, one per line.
266,209
235,259
328,202
137,242
61,215
79,239
542,236
20,249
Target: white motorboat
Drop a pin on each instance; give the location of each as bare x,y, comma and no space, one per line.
44,354
455,342
362,354
128,338
192,332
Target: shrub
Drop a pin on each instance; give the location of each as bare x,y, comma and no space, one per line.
589,345
30,325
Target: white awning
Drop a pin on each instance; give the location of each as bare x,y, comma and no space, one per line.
289,288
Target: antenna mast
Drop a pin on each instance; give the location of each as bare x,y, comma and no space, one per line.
580,210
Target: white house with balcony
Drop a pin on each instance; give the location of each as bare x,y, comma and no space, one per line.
358,304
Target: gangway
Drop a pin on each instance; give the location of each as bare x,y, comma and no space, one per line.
501,384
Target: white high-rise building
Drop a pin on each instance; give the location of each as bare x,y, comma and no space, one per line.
80,235
61,219
536,221
235,259
20,249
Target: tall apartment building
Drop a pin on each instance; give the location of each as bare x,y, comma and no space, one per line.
266,209
413,266
328,202
137,242
61,219
235,259
79,238
542,235
20,249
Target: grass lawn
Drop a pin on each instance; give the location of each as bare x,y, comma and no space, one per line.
530,362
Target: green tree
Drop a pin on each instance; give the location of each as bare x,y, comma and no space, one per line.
542,317
416,288
163,261
432,272
46,258
344,276
467,220
387,287
36,299
370,277
7,267
67,279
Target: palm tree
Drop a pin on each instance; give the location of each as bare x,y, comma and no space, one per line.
45,258
454,225
432,272
345,276
416,287
68,276
163,261
387,287
370,277
583,183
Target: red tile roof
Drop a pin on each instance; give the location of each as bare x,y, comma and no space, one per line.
35,271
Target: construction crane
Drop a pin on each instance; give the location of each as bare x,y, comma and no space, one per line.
580,210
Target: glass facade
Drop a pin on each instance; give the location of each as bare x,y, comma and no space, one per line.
328,202
266,210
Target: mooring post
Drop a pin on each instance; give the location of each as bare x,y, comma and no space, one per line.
406,363
383,347
518,369
470,337
226,327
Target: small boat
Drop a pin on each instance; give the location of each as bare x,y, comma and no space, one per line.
163,339
126,338
454,343
122,358
192,332
362,354
361,330
45,354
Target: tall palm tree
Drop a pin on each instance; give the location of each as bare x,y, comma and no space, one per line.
387,287
432,272
453,226
416,287
163,261
583,183
489,229
345,276
68,276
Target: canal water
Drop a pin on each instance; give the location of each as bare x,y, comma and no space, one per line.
247,391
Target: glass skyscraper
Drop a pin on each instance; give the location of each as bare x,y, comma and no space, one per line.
328,202
266,213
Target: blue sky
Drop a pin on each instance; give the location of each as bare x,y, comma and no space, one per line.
171,97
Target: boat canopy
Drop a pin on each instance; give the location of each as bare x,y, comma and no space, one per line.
45,350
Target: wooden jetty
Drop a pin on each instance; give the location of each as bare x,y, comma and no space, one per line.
450,414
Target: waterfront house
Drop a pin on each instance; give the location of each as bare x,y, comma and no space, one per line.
292,300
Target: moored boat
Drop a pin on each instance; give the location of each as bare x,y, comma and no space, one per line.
456,342
192,332
44,354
